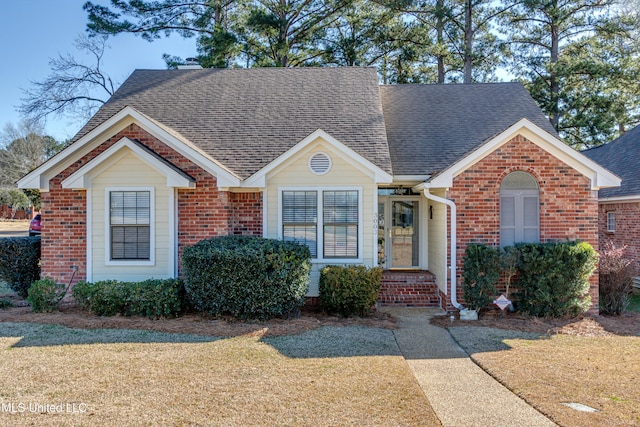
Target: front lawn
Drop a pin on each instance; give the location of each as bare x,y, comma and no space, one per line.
329,376
597,368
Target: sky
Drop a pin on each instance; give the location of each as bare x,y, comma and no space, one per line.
34,31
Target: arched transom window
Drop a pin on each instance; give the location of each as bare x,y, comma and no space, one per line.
519,209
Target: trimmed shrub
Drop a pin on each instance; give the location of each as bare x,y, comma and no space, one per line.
616,279
20,262
103,298
155,298
554,278
351,290
5,303
481,271
151,298
246,276
44,295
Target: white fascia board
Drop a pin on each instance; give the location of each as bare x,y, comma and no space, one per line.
82,177
409,179
620,199
39,177
259,179
599,176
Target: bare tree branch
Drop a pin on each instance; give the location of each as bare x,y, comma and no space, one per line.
73,88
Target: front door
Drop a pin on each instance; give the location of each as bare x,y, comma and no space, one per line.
398,232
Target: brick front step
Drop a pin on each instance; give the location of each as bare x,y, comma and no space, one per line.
403,288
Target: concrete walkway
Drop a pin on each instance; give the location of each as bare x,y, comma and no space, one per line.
460,392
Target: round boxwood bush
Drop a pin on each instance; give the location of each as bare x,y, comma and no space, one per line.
349,290
246,277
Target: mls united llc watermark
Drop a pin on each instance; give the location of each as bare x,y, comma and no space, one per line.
42,408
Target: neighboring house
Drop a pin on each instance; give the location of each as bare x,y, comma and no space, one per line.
619,208
362,173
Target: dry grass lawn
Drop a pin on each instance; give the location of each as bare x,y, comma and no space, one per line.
125,377
601,371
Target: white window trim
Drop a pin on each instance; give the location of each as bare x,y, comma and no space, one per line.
152,228
611,215
320,229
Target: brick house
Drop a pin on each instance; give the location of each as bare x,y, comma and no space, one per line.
619,207
400,176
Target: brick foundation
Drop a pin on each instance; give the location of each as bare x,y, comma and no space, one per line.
408,289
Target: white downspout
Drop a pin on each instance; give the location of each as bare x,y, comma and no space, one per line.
453,240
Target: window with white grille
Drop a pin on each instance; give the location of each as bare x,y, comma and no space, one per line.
327,221
130,225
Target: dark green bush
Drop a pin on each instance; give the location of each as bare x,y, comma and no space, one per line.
43,295
481,271
246,277
151,298
616,279
554,278
349,290
20,262
5,303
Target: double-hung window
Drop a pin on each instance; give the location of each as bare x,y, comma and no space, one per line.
340,224
328,221
130,225
611,222
300,218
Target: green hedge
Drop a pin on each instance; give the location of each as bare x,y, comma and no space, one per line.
246,277
151,298
20,262
351,290
44,295
554,278
481,272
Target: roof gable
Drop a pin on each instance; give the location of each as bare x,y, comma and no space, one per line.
83,176
259,178
599,176
622,156
39,177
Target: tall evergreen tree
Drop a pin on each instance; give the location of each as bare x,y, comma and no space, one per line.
562,50
211,21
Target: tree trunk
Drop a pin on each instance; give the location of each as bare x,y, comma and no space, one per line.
440,36
554,84
468,41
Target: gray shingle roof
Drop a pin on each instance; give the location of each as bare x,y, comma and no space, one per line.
622,157
245,118
430,127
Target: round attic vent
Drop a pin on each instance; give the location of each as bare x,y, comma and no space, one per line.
320,163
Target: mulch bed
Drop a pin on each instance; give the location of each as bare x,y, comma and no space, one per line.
73,316
585,325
